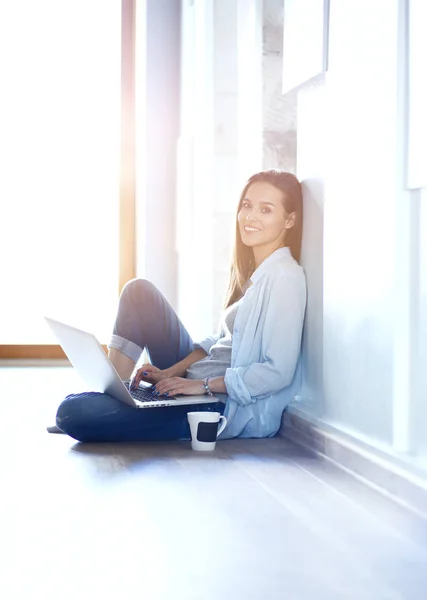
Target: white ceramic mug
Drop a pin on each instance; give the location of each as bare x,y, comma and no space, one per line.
204,429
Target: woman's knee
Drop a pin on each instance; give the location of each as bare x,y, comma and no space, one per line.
139,288
71,414
78,414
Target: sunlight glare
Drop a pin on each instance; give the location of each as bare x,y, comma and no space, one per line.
59,153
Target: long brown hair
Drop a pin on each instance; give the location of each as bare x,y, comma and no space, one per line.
243,264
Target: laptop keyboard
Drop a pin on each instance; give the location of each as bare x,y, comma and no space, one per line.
144,394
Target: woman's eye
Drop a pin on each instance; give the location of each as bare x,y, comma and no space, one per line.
247,205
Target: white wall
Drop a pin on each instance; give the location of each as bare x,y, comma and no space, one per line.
311,161
226,178
364,343
157,113
194,224
418,412
360,217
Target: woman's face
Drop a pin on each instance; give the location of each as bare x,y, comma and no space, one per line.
262,218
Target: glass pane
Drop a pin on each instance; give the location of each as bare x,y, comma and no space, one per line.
59,165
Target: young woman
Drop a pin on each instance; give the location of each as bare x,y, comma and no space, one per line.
250,365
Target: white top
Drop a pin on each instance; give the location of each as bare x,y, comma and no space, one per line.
219,355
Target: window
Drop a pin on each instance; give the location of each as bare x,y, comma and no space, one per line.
67,178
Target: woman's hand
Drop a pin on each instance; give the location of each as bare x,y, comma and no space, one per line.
179,385
148,373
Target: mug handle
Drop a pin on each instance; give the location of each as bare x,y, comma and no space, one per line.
222,427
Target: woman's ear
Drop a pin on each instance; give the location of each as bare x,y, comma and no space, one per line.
290,221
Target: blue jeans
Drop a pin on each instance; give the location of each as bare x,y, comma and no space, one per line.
144,320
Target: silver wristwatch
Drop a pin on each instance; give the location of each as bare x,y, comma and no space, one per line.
205,386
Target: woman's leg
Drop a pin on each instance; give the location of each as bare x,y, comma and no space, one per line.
123,364
145,319
94,417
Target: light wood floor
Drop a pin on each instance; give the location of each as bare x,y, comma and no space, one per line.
256,520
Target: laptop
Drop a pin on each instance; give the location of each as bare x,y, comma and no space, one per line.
90,361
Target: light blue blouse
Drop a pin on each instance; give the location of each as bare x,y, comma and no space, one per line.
265,369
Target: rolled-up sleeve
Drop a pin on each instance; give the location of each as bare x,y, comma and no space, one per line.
207,343
280,345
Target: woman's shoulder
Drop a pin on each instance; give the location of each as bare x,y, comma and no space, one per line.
287,287
285,270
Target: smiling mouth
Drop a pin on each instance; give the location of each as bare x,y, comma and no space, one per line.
251,229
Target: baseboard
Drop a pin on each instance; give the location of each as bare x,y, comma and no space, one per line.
389,474
34,362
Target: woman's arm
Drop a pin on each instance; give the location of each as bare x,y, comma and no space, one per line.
179,385
217,385
208,342
154,375
180,368
280,342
